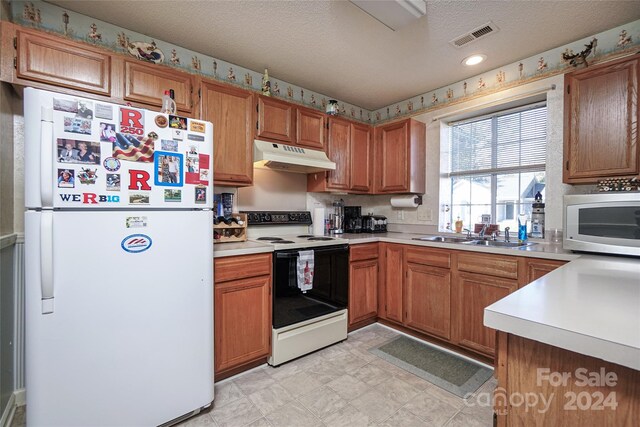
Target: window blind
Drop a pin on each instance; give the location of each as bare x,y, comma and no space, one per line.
511,140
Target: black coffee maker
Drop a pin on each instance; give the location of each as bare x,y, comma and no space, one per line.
352,219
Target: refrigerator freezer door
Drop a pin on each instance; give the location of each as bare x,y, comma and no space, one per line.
82,153
130,338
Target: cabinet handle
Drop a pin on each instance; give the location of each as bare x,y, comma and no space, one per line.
566,165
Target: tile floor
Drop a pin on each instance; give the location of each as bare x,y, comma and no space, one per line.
342,385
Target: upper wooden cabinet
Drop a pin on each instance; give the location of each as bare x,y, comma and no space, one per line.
349,145
231,112
275,120
60,62
310,128
146,84
400,157
361,161
601,119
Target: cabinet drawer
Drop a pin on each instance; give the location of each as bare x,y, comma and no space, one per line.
58,62
492,265
239,267
365,251
427,256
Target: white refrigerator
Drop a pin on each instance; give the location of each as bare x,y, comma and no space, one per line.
119,263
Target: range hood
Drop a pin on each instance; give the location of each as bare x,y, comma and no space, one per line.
288,158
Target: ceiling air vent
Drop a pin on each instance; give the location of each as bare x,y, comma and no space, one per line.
475,34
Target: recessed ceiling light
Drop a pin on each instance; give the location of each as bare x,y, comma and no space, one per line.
474,59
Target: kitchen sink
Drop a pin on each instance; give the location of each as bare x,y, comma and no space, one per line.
442,239
498,243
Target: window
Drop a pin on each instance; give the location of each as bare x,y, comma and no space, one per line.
494,166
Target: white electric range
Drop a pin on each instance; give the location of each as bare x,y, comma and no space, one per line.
303,321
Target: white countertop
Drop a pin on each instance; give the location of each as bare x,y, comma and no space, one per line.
590,306
240,248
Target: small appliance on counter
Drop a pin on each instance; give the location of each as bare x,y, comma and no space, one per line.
352,219
374,223
537,217
337,217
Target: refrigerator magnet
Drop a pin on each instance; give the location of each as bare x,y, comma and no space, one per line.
104,111
131,121
177,134
133,149
136,221
85,109
135,243
88,176
113,182
66,178
172,195
66,105
177,122
168,169
111,164
195,126
161,121
198,138
138,199
201,194
169,145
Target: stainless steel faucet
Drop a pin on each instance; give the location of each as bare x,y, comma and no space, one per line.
484,230
494,236
506,234
468,232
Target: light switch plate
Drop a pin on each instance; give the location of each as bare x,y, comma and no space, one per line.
425,214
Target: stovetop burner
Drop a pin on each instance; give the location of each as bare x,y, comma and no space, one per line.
284,241
305,236
319,238
271,239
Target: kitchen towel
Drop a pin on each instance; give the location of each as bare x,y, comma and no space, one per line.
305,270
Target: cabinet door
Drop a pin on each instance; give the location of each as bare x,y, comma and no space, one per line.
393,278
339,151
361,159
310,127
146,83
427,299
61,62
475,292
392,157
601,122
363,290
242,321
231,112
536,268
275,120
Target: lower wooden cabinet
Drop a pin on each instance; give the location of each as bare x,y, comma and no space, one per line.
475,292
392,256
363,290
427,299
536,268
242,311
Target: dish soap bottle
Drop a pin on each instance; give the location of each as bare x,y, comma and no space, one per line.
522,228
458,225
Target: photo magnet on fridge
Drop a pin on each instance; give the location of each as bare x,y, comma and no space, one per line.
107,132
201,195
77,125
66,178
113,182
169,145
74,151
172,195
168,169
177,134
66,105
138,199
177,122
85,109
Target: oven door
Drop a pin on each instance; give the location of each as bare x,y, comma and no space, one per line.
330,285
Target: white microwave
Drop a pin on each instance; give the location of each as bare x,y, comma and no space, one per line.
604,222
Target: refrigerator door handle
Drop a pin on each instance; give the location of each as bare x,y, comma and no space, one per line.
46,261
46,157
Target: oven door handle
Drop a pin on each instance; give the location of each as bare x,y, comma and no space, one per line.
317,250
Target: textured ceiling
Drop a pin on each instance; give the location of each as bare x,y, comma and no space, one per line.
335,48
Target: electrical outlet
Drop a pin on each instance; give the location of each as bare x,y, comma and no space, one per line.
400,214
425,214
